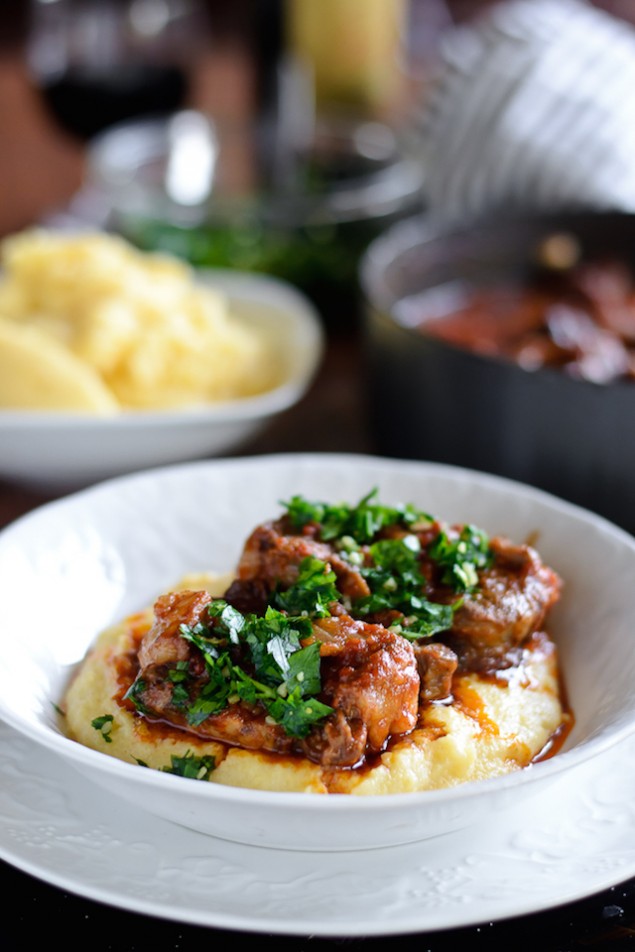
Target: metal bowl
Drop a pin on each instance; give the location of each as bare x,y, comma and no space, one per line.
431,400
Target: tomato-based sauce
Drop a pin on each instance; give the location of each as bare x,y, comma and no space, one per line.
580,320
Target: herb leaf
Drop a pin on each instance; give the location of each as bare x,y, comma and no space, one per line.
462,557
397,584
286,674
196,768
104,724
362,522
312,593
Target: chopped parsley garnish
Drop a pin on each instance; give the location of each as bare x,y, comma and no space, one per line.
312,593
361,522
104,725
283,675
396,584
134,694
392,567
461,558
196,768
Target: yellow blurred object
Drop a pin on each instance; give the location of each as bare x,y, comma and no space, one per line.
352,48
38,373
138,324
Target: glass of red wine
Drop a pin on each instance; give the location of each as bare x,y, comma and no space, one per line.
98,62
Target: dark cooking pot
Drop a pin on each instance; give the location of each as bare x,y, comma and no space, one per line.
432,400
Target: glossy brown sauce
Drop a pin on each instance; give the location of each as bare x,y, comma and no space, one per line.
580,320
126,663
540,642
470,703
557,740
560,736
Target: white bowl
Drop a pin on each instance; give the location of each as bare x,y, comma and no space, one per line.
75,565
62,451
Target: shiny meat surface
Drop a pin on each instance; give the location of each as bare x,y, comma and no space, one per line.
272,556
510,604
436,664
163,644
370,676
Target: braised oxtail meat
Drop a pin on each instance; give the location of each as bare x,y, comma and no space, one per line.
239,725
510,604
272,555
436,664
336,635
370,677
163,648
163,644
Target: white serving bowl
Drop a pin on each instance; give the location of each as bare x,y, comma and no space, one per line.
78,564
64,451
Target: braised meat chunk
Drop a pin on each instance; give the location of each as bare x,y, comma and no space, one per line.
436,664
167,661
370,678
510,604
163,644
272,556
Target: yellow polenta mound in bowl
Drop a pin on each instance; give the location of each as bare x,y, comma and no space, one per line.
90,324
359,649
